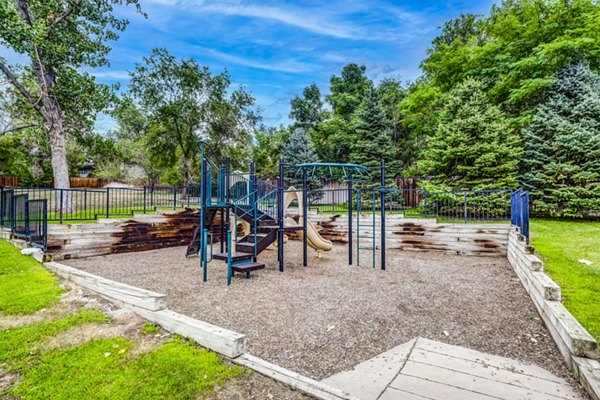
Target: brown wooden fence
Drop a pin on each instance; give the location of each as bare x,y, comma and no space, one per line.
75,182
9,181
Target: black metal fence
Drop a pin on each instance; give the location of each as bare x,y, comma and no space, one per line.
460,206
25,218
84,204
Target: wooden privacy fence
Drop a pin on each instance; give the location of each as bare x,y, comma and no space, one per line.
76,182
9,181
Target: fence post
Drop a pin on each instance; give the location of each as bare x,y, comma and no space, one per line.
174,197
85,202
61,207
2,207
465,206
45,224
107,202
144,199
27,218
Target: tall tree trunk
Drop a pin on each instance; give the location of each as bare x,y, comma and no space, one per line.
187,175
54,124
56,136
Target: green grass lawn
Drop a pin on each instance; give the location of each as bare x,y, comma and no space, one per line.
561,244
98,368
104,369
25,286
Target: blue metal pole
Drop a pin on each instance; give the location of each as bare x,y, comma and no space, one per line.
202,203
358,227
205,255
305,218
280,214
383,214
350,217
229,272
227,196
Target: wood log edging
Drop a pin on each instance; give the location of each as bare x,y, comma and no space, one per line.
577,346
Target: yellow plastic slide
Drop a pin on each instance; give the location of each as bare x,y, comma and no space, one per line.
315,240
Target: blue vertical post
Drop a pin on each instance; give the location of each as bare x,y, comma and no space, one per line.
229,272
280,214
350,217
202,210
253,199
227,196
358,228
305,217
383,214
373,227
205,255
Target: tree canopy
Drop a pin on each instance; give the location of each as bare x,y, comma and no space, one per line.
561,162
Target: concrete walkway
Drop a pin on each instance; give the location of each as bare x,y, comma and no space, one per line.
425,369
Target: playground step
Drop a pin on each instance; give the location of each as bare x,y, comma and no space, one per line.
251,238
235,256
244,247
247,267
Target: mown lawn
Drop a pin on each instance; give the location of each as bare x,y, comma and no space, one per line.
562,244
99,368
25,286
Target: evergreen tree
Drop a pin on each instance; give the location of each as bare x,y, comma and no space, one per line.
473,147
373,136
561,163
299,150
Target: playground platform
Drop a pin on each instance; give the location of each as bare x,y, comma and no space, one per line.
426,369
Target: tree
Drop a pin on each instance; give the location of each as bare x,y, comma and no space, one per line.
473,147
298,149
186,103
333,139
59,38
132,141
392,93
561,162
515,52
348,89
268,143
307,111
373,136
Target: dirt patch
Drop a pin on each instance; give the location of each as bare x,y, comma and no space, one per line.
330,316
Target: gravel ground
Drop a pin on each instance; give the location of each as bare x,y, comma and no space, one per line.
329,317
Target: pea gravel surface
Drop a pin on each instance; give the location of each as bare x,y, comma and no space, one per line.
329,316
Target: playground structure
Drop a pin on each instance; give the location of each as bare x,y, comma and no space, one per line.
254,213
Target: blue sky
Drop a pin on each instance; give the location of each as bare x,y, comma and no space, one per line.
275,48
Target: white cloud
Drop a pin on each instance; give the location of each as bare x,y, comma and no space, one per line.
119,75
310,22
291,66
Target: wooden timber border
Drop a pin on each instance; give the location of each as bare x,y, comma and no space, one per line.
168,229
576,345
152,307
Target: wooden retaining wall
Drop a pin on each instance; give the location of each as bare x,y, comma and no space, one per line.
577,346
169,229
140,233
418,234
